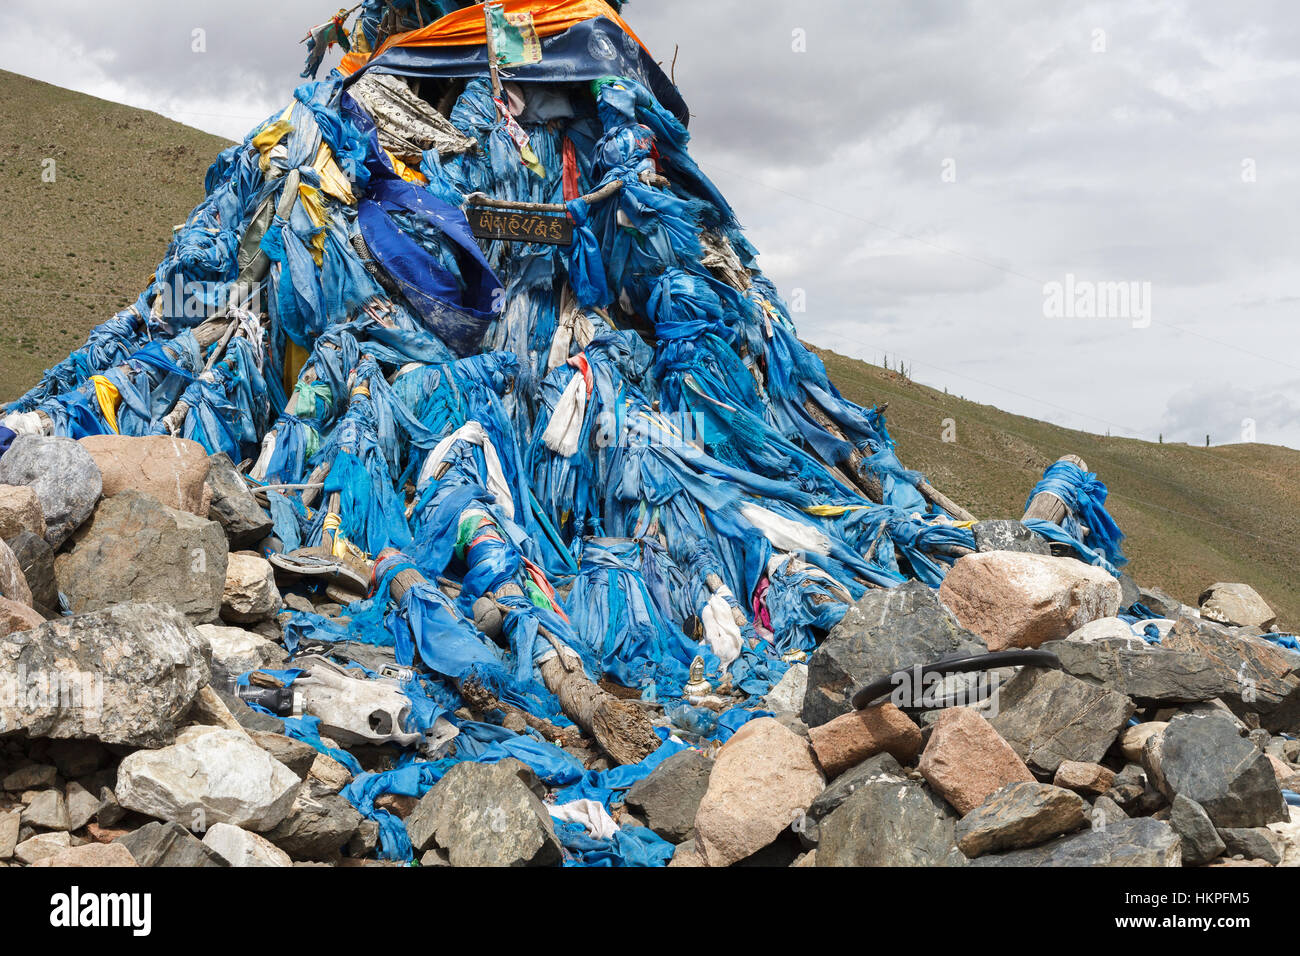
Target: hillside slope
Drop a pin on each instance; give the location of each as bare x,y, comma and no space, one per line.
80,248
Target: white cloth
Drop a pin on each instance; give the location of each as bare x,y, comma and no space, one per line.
720,628
565,427
27,423
590,813
785,534
473,433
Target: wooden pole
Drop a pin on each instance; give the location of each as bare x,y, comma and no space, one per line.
491,50
1046,506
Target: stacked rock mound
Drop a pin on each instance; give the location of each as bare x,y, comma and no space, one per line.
365,536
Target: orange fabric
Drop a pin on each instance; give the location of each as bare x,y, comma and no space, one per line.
466,27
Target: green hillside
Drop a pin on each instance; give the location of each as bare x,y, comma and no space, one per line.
78,249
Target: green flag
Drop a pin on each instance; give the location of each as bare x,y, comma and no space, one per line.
513,37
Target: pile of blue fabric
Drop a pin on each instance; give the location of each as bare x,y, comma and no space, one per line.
620,441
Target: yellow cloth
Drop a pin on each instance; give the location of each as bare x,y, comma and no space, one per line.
409,173
834,511
295,357
109,398
332,181
270,136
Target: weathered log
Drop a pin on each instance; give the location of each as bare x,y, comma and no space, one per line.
1046,506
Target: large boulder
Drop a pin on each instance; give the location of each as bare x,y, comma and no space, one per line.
236,651
210,776
1237,605
233,505
20,510
239,847
1006,534
486,815
888,821
886,631
1207,760
965,760
1148,673
1141,842
317,828
1013,599
63,475
170,470
669,798
1201,842
249,594
1048,717
135,549
16,616
763,779
170,845
125,675
853,737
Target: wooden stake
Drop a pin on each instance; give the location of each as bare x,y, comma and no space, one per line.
1046,506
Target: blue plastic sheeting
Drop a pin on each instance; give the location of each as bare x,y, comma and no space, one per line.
630,846
1085,498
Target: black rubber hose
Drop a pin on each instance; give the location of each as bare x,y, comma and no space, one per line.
881,686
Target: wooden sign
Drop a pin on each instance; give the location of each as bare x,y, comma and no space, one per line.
512,226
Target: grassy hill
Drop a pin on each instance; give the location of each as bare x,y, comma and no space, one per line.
80,248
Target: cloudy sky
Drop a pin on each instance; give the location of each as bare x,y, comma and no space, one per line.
964,186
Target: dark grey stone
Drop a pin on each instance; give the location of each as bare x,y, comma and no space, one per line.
669,797
233,505
317,828
1020,815
169,844
63,475
889,822
1201,843
1005,534
1253,843
1148,673
1140,842
36,560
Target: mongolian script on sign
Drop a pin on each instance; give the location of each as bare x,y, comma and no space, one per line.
488,223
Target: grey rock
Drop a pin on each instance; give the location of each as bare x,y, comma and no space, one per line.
1253,843
1048,716
669,797
1106,811
486,815
1140,842
110,811
13,584
1237,605
1201,842
1004,534
10,825
83,806
365,841
317,828
885,631
881,766
1160,603
1129,786
47,811
169,844
1207,760
1129,592
135,549
77,758
63,475
889,822
1020,815
236,651
294,754
1148,673
31,777
1261,676
125,675
36,561
233,505
251,720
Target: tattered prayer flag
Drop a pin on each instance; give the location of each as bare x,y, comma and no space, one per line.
514,38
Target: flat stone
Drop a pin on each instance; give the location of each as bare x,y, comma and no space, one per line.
1138,842
241,848
82,805
211,775
1003,534
788,693
125,675
1237,605
30,777
91,855
168,469
1048,716
327,776
294,754
135,549
42,845
853,737
63,475
486,815
1207,760
965,760
168,844
317,828
16,616
233,505
1253,843
669,798
36,562
881,766
47,811
763,779
10,824
889,822
1020,815
1106,811
1148,673
1158,602
1012,599
1090,779
1102,629
885,631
